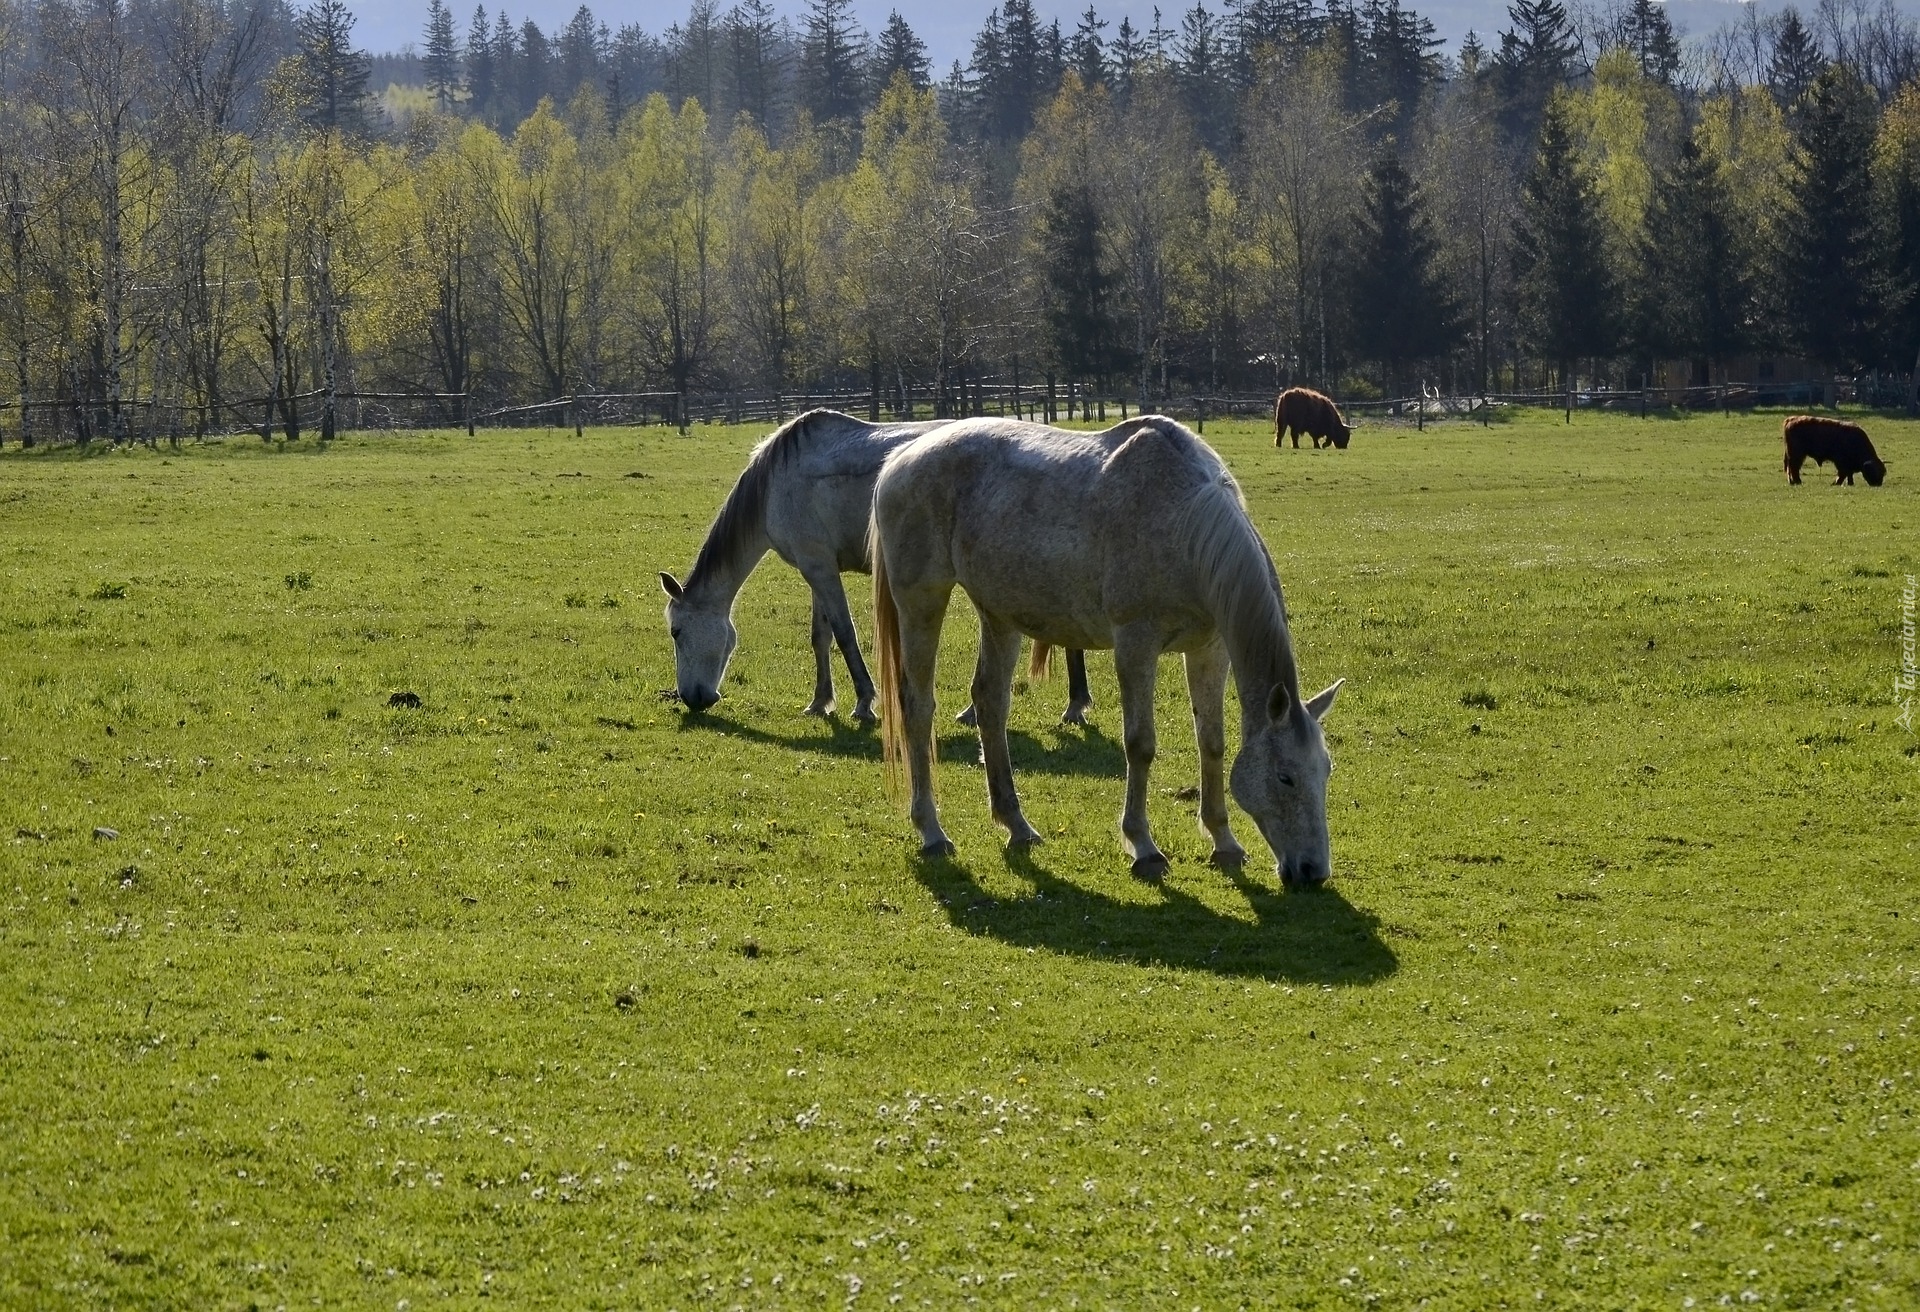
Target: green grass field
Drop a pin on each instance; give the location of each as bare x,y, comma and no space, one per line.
540,991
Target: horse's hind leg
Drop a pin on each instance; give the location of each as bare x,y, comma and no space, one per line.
992,697
1079,695
921,612
1207,687
1136,659
822,703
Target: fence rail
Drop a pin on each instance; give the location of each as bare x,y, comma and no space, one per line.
150,420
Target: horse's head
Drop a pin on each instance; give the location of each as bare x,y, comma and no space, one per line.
1342,433
703,642
1875,471
1280,779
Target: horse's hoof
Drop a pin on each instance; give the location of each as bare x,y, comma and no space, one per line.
815,708
966,717
1228,859
1153,868
1024,837
1074,715
865,718
1294,883
940,851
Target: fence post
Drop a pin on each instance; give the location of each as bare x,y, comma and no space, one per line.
1643,396
1420,413
466,409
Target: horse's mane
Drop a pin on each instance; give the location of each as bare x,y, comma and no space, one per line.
1236,572
744,513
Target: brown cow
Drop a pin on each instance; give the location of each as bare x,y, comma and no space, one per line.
1835,441
1304,410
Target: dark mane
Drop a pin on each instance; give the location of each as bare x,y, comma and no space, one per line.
744,512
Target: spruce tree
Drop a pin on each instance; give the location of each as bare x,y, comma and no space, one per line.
535,65
1566,291
832,53
1087,54
1079,312
753,59
1694,296
481,80
440,63
1200,62
898,50
577,57
1399,50
1796,60
1129,51
1645,30
1830,287
333,75
1534,59
1401,307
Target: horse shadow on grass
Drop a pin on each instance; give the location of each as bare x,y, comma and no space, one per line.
1313,937
1085,752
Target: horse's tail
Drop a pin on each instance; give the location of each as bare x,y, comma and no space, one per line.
1041,664
886,654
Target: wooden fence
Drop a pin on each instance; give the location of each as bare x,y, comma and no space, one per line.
147,420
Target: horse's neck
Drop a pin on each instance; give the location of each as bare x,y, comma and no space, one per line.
1260,650
716,588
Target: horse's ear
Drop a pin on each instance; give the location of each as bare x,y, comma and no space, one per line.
1279,703
673,588
1321,702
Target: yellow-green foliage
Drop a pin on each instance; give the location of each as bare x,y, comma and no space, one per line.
1629,123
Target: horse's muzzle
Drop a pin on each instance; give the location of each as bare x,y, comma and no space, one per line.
1306,872
699,699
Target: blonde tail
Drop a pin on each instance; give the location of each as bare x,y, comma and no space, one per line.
1041,665
886,652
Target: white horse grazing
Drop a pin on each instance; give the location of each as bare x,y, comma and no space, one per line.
806,493
1135,539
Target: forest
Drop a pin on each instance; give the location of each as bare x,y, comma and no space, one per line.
216,219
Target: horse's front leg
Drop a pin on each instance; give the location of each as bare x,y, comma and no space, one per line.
1079,694
1136,660
1207,687
921,614
992,699
822,703
829,595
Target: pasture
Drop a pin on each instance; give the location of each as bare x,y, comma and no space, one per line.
538,990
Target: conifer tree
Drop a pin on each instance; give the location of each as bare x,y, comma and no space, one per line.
1079,314
898,50
440,63
1129,51
1566,291
1645,30
1399,50
832,52
1535,58
1796,60
1694,296
1402,309
333,75
481,78
753,59
1087,53
1831,288
1200,60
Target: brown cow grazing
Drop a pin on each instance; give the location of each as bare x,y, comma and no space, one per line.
1835,441
1303,410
